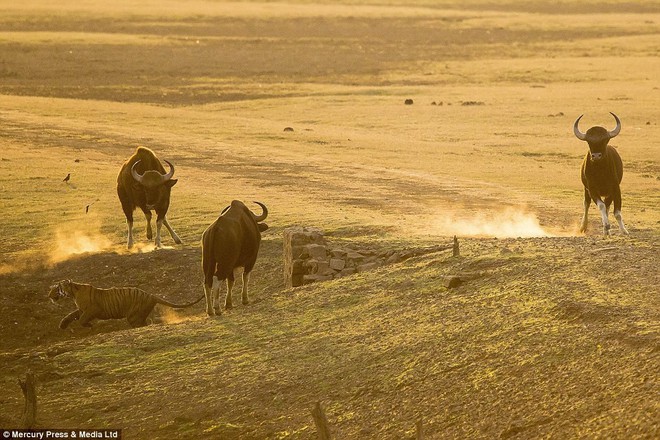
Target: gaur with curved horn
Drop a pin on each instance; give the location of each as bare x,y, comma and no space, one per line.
163,177
143,183
264,213
230,242
602,171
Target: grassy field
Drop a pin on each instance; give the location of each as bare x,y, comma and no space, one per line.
556,338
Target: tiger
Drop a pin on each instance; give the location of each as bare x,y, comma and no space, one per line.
114,303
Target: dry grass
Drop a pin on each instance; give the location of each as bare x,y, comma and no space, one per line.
558,338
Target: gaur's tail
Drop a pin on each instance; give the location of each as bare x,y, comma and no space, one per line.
179,306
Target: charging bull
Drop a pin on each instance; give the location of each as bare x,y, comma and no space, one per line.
602,171
230,242
142,183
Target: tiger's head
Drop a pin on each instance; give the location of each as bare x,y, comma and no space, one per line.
59,290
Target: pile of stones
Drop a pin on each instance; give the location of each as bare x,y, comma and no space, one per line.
308,258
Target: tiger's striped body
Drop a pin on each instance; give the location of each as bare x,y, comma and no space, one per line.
114,303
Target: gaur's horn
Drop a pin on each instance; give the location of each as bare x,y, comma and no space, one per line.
134,173
169,175
576,130
263,215
617,129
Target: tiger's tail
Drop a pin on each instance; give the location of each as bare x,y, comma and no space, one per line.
178,306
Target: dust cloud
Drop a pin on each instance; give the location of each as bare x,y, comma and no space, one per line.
508,223
77,239
72,240
168,316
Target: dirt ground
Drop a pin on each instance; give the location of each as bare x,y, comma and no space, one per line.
555,335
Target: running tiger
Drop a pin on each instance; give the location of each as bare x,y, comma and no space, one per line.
114,303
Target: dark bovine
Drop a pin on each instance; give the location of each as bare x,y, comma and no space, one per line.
230,242
143,183
602,171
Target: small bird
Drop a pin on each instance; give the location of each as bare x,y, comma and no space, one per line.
90,204
67,178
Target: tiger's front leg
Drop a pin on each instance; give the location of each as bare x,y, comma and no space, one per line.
68,319
85,319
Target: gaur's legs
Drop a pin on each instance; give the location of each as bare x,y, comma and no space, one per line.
208,292
129,226
603,214
148,215
68,319
160,221
244,293
230,286
603,209
175,237
587,202
128,212
216,296
608,203
617,211
159,224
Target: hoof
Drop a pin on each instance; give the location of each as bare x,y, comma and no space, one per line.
177,240
245,302
229,306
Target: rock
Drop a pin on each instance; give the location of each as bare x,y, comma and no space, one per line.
297,267
309,279
296,280
317,251
339,253
406,255
354,256
337,263
394,258
322,267
296,240
453,281
408,101
299,252
368,266
347,271
288,128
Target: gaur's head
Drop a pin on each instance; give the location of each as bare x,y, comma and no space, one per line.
258,218
156,186
597,137
58,290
